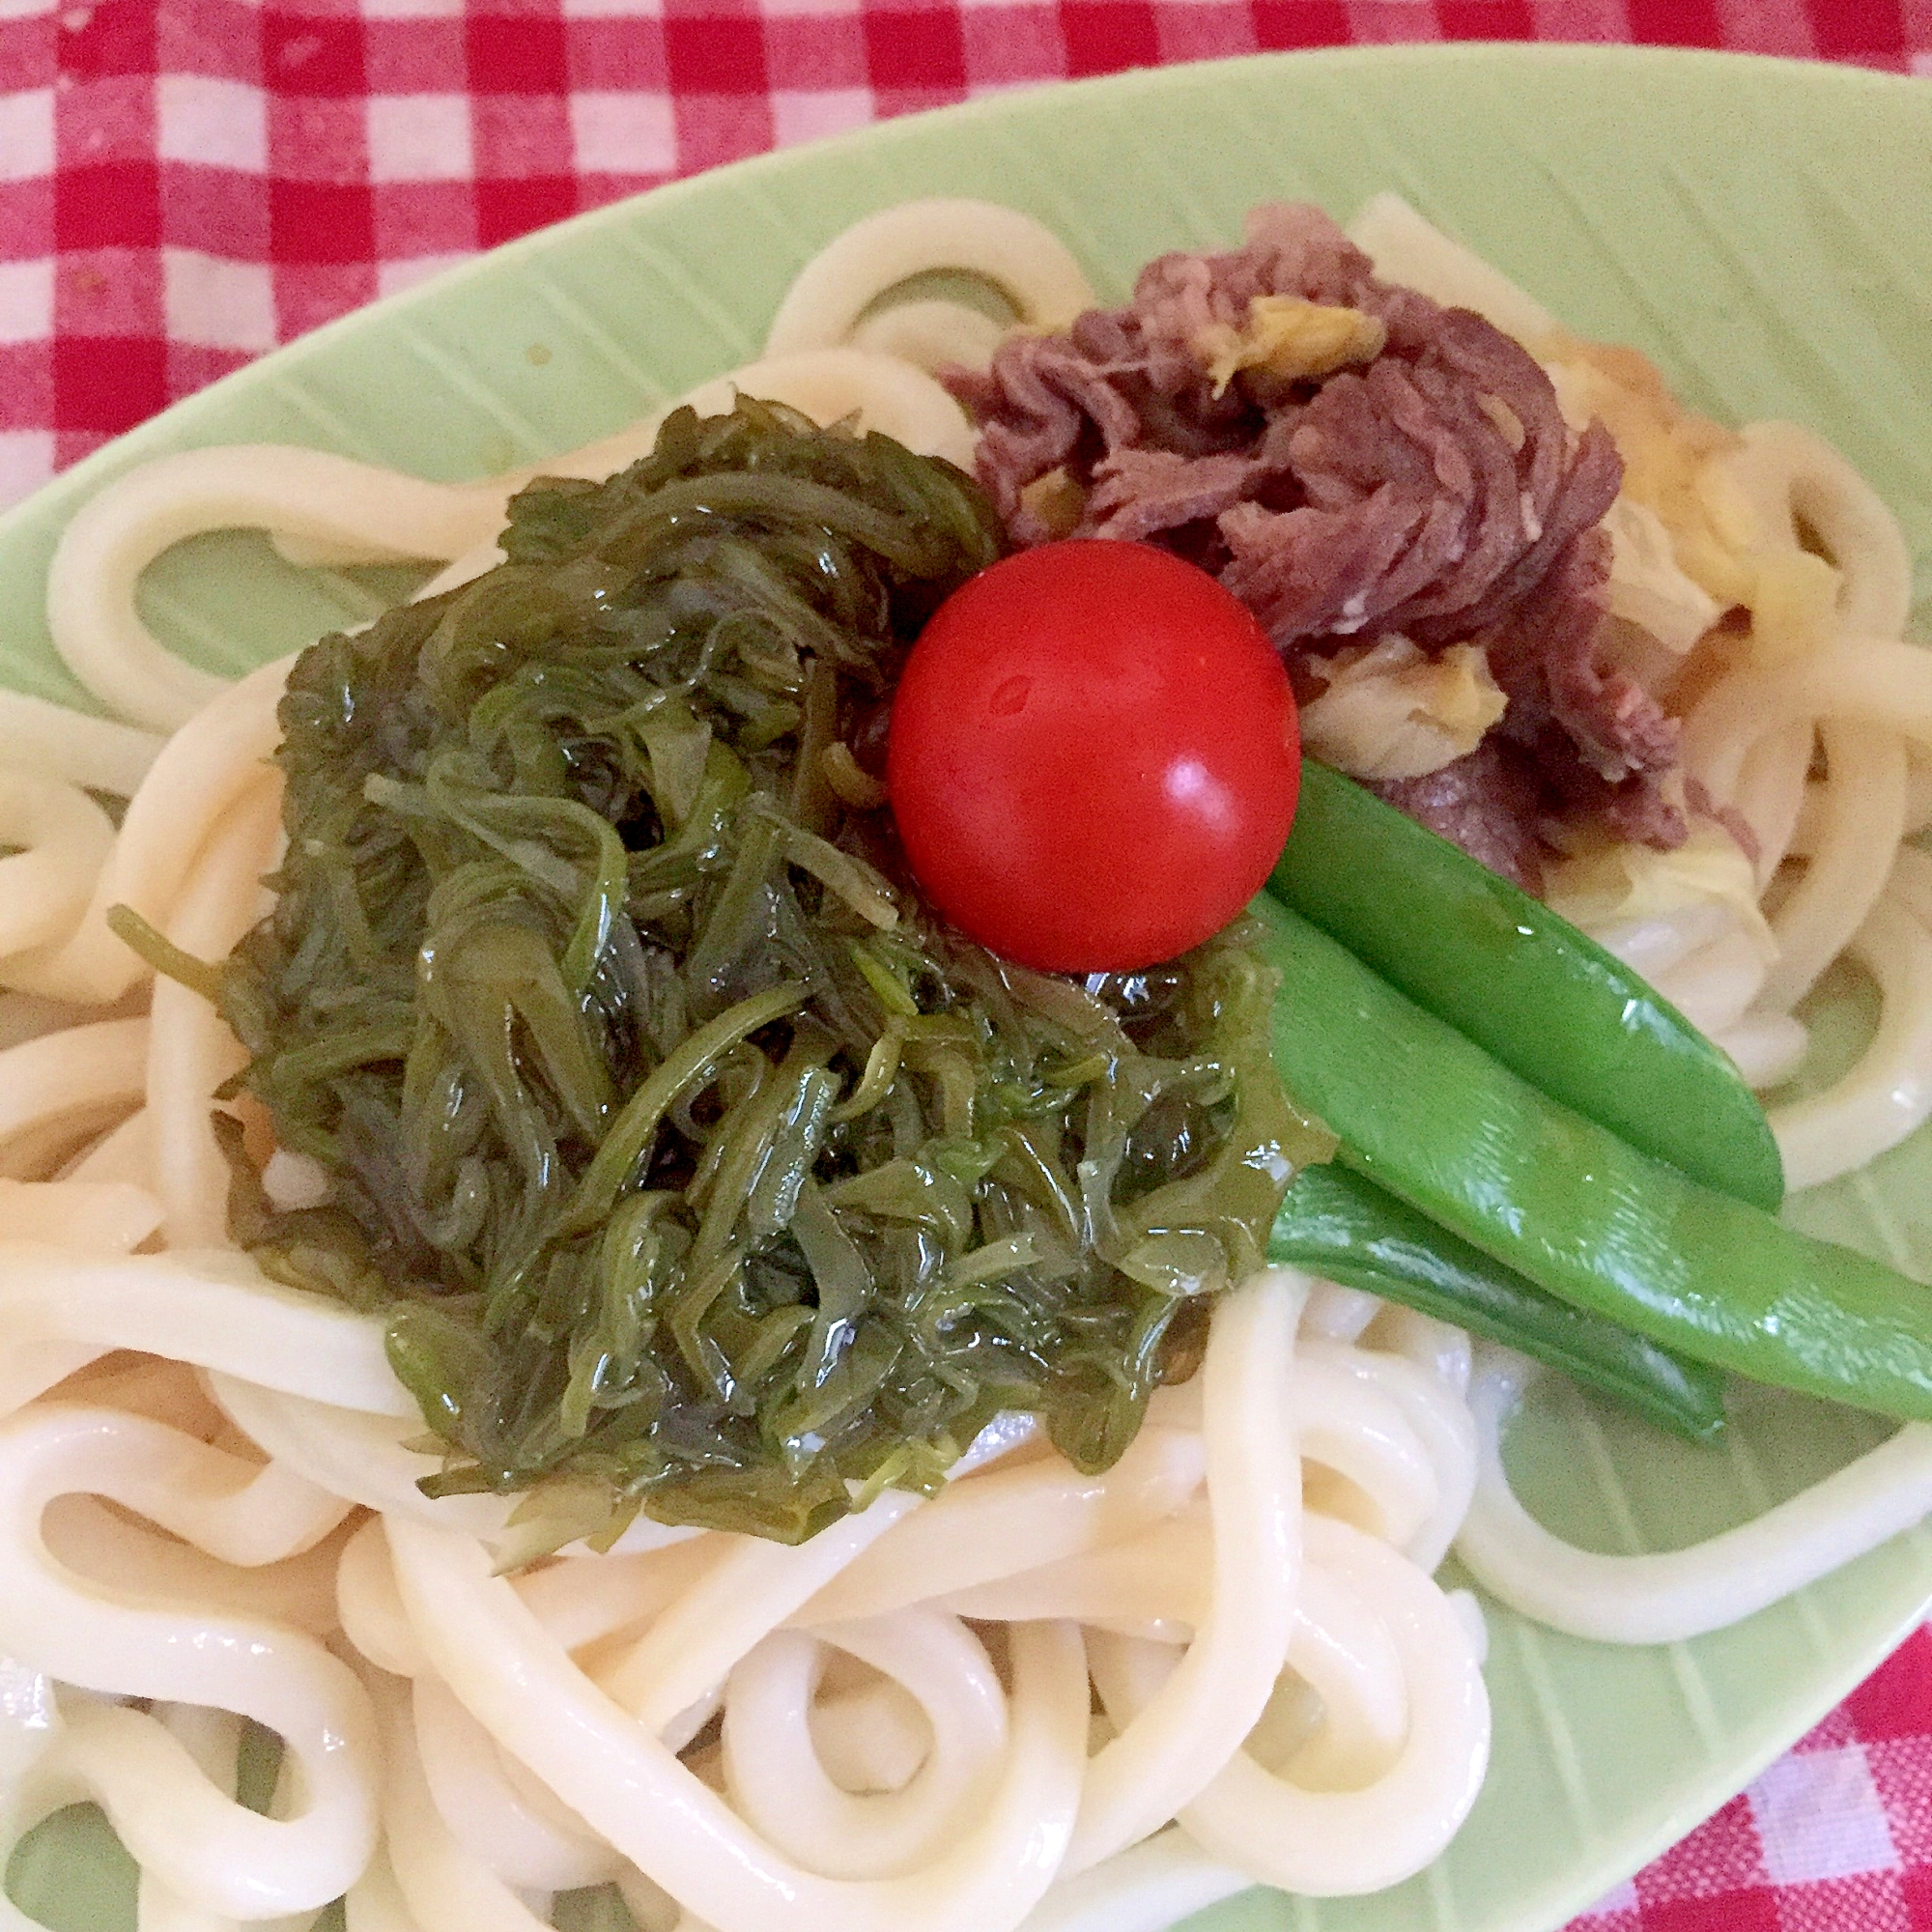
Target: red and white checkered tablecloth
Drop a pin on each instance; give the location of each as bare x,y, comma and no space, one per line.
184,184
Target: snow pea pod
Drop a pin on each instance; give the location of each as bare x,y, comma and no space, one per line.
1425,1114
1339,1225
1524,984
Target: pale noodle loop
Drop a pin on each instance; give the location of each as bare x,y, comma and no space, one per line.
205,769
1030,266
370,513
1801,489
180,1643
1667,1596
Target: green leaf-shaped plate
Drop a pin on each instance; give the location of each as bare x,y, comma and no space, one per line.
1757,227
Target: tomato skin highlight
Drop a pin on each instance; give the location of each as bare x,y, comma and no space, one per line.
1092,756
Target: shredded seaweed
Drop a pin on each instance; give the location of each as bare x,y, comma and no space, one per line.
696,1167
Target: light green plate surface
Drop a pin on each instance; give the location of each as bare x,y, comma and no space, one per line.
1758,228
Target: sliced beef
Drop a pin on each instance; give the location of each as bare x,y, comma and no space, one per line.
1139,493
1486,803
1436,492
1601,744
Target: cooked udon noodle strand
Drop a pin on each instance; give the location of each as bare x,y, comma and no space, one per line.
182,1643
191,1052
208,1498
205,769
1667,1596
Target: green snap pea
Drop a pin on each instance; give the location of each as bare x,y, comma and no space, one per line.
1524,984
1342,1227
1428,1116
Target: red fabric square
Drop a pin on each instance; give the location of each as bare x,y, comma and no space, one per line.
1302,23
210,36
1861,30
1722,1856
312,53
1916,1887
507,208
1727,1911
517,56
321,221
115,37
1675,24
112,205
106,384
1895,1701
715,55
1486,20
416,56
913,47
217,211
1107,35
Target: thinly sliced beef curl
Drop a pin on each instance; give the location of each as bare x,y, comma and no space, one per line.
1436,492
1486,803
1139,493
1603,741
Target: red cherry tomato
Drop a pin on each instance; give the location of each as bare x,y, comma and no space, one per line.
1092,757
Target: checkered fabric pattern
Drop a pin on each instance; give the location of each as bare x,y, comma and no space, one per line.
1835,1836
184,184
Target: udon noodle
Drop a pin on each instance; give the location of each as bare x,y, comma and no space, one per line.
1041,1698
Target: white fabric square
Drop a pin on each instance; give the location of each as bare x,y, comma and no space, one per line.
26,462
217,303
611,10
1819,1816
26,133
26,301
623,133
223,123
393,276
418,137
798,116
